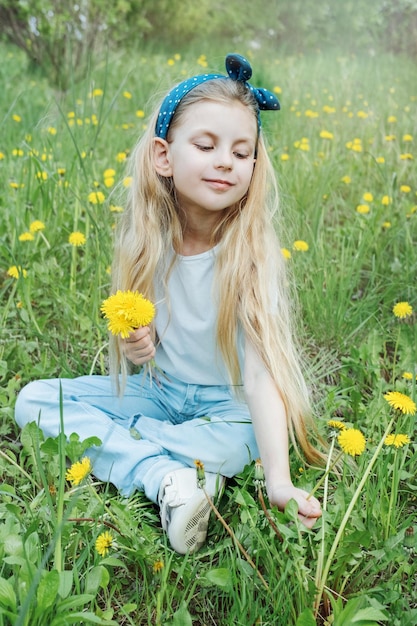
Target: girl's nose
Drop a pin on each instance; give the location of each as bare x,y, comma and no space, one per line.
224,160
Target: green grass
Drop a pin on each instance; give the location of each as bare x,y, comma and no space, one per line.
361,556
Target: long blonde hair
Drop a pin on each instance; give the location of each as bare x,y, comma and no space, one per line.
250,269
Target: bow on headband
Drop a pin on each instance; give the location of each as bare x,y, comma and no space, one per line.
238,68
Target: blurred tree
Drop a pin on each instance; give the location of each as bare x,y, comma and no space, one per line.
61,36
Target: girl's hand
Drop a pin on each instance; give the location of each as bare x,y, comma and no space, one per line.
309,509
139,347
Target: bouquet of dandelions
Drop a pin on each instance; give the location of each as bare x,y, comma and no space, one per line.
126,311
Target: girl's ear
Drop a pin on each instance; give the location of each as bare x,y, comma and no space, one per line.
161,157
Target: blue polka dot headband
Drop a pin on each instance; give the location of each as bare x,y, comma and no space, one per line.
238,68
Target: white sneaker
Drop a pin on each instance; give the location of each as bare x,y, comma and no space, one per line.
184,508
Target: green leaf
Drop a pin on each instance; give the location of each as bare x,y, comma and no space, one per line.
181,617
81,617
65,583
369,614
47,591
13,545
114,561
291,510
7,594
306,618
75,601
97,577
220,576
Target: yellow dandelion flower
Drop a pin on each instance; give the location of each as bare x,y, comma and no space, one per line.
285,253
336,424
362,114
28,236
407,156
386,224
402,310
386,200
285,156
368,197
157,566
325,134
96,197
104,542
52,130
400,401
116,209
16,271
140,113
380,159
352,441
362,209
61,171
109,181
127,310
96,93
16,118
405,188
109,173
78,471
346,179
127,181
389,137
304,144
127,95
36,226
398,441
407,376
391,119
121,156
300,245
407,137
77,239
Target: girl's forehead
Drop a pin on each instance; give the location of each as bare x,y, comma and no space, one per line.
211,115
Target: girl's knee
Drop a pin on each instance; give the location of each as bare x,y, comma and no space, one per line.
28,402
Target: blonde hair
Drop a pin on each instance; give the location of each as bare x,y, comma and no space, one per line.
250,269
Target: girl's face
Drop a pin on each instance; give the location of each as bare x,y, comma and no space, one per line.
211,156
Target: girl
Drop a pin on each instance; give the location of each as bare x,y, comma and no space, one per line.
197,238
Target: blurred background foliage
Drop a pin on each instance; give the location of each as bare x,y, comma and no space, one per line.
62,37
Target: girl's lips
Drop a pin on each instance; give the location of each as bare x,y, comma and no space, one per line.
218,183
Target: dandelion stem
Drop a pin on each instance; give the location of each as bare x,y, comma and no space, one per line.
346,516
329,468
78,520
236,541
267,514
58,561
325,477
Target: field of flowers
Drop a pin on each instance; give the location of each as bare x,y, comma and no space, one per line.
72,551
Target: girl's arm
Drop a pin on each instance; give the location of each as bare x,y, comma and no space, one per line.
271,430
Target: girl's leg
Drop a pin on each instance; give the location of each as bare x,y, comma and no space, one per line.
90,408
211,426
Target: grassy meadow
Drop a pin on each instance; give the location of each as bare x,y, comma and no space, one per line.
344,147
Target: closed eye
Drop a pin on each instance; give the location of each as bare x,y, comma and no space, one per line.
240,155
203,148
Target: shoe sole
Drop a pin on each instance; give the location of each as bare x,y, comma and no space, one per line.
193,534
